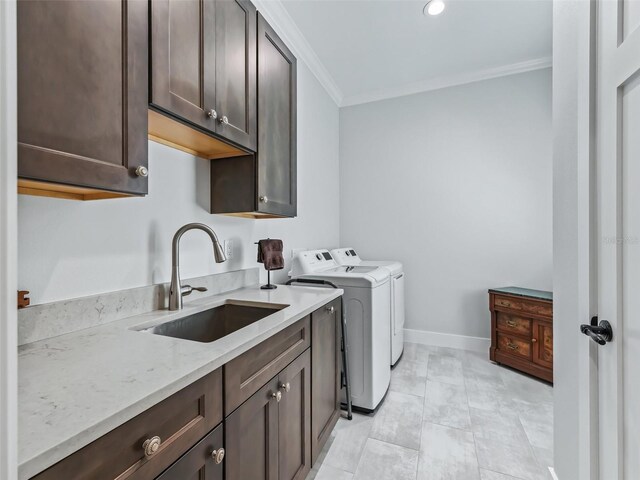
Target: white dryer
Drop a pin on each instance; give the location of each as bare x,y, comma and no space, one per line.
348,256
367,306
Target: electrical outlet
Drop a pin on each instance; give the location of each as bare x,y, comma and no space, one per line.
228,249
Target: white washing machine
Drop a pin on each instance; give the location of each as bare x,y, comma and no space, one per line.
348,256
367,306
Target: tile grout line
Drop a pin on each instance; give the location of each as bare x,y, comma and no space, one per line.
475,444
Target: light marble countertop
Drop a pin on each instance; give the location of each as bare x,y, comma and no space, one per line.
74,388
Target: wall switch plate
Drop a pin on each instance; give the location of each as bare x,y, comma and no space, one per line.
228,249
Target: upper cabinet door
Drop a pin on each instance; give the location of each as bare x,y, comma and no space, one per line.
236,71
276,124
183,57
82,94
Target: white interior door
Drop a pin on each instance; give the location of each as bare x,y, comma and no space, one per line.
618,202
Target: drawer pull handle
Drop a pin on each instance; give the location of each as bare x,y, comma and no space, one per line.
512,346
277,396
218,455
505,304
151,446
286,387
512,323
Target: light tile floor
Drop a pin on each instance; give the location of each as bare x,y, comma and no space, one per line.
449,415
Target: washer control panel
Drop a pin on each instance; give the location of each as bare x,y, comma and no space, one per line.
312,261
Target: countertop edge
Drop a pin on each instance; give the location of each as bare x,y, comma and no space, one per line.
45,459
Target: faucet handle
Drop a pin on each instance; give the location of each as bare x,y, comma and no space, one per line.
187,289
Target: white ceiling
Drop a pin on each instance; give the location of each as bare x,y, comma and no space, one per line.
374,49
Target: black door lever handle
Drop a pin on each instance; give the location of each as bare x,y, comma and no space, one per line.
601,333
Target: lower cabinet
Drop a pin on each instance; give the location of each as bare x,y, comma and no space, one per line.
267,437
281,401
325,374
203,462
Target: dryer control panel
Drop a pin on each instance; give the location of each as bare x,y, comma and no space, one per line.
346,256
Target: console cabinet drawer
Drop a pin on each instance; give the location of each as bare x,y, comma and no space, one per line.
179,421
528,306
514,345
247,373
513,324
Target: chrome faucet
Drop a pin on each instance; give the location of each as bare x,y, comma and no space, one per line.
177,291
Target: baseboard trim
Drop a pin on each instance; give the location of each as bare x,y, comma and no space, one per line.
450,340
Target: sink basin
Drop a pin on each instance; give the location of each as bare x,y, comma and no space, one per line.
215,323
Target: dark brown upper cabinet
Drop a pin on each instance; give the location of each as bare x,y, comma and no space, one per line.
264,185
82,98
236,72
277,123
203,62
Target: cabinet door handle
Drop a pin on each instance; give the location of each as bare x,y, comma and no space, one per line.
534,340
224,120
277,396
264,199
218,455
151,446
286,387
331,309
212,114
142,171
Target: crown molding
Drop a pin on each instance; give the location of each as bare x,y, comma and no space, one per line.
278,17
447,81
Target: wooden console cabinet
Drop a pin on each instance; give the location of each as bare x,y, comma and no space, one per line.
522,330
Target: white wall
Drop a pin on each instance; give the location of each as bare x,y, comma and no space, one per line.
456,184
69,249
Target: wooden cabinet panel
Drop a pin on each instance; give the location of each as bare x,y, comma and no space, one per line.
199,462
180,421
252,437
236,71
245,374
183,56
276,124
82,94
325,374
543,343
294,419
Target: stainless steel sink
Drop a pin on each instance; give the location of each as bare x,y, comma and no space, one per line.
215,323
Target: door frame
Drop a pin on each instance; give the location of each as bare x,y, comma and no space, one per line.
8,243
575,239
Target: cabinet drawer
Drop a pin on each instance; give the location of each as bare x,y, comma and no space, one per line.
180,421
246,374
200,462
514,346
528,306
513,324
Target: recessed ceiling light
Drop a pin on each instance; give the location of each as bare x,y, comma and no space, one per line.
433,7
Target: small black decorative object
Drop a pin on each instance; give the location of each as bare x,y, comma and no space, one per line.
270,255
